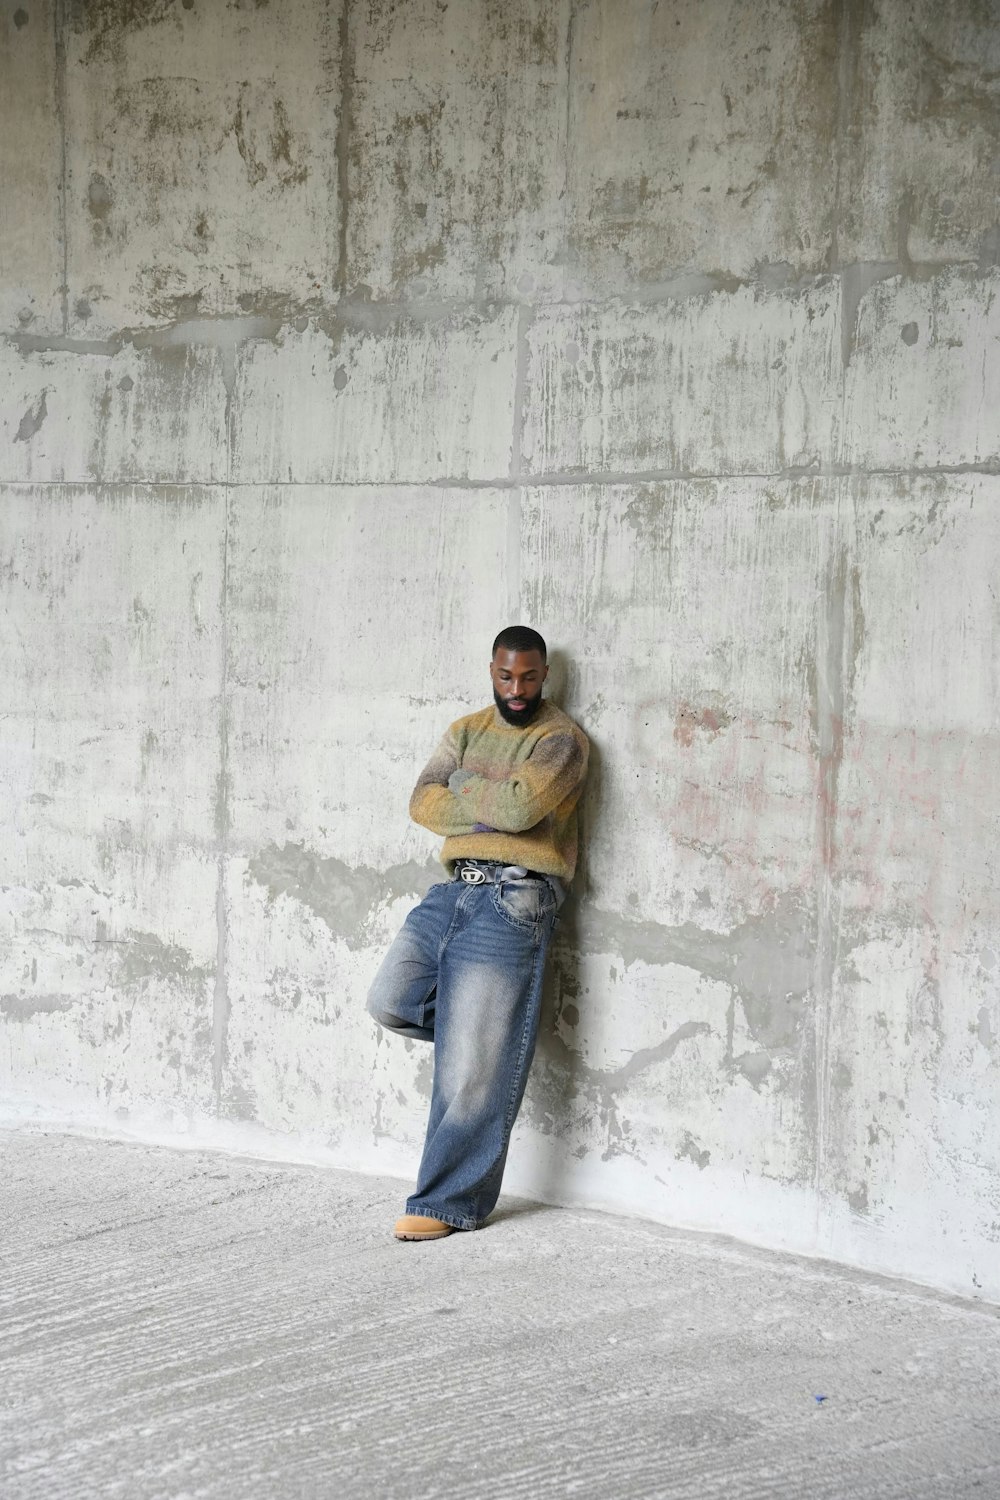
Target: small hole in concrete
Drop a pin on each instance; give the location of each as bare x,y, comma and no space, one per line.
908,333
20,18
340,378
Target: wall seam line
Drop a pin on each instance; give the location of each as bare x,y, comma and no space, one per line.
220,997
989,468
343,143
59,39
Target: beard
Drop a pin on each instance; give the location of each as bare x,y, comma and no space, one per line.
518,719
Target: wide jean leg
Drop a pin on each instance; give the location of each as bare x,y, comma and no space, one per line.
402,997
484,994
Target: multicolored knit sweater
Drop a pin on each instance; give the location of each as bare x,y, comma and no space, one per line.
499,792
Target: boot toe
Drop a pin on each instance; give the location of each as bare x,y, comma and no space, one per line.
419,1227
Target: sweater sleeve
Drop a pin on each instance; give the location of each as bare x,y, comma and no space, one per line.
552,772
432,805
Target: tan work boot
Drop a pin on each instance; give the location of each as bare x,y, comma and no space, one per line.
417,1227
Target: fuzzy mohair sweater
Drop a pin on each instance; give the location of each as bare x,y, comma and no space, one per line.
495,791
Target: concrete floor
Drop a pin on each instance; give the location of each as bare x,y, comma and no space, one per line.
189,1324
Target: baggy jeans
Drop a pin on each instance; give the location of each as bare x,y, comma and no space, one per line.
465,973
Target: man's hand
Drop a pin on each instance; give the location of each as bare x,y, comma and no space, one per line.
456,781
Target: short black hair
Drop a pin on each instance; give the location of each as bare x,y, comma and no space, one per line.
520,638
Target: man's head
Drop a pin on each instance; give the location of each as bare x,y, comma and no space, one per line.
517,670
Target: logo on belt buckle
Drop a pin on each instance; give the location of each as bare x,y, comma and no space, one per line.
472,876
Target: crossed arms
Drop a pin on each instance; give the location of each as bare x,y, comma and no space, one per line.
452,801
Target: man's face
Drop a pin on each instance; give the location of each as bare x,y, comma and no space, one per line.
517,678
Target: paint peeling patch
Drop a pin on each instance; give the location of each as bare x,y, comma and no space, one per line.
145,956
345,898
256,169
25,1007
689,1150
424,1079
565,1078
110,21
983,1029
32,419
754,1066
264,138
709,722
768,960
645,1057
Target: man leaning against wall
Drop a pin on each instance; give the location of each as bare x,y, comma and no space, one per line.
465,972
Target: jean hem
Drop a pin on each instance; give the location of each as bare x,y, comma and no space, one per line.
428,1211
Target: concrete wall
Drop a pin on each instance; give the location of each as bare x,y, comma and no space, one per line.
338,334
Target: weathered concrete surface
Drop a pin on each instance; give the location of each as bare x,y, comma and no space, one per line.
920,118
187,1323
194,137
389,399
112,667
332,337
821,832
458,139
940,407
697,385
113,412
308,906
31,239
702,136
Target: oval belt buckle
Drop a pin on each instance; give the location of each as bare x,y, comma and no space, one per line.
472,876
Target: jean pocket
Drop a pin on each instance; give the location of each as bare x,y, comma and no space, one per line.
525,904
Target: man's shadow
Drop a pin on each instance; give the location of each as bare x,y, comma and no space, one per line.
553,1102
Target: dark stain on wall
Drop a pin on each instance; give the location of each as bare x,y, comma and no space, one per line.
108,22
32,420
99,205
344,897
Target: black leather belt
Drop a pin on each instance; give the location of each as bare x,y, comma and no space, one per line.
487,872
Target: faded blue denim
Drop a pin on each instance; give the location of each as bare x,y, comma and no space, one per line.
465,973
